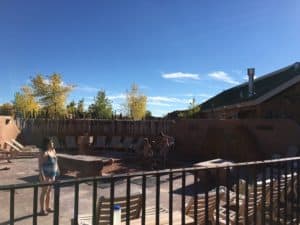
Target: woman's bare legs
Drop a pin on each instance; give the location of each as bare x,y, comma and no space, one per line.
42,198
45,196
48,195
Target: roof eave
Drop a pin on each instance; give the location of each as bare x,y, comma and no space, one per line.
260,99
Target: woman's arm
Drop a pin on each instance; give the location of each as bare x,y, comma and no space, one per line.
58,170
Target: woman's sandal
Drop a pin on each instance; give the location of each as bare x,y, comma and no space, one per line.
50,210
43,213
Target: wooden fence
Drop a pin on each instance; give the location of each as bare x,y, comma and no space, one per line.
33,130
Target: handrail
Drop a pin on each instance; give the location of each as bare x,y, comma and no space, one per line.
150,173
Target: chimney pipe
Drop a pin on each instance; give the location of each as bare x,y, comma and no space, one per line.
251,72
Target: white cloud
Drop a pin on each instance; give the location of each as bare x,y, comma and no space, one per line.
159,104
160,112
222,76
180,76
117,97
154,100
201,95
166,100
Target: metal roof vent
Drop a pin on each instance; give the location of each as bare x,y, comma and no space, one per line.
251,72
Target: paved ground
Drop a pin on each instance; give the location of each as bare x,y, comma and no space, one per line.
25,171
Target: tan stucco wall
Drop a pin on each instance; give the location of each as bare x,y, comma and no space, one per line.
7,130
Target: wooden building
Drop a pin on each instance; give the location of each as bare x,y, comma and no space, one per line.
274,95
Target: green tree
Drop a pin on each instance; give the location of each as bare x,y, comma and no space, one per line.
72,109
136,103
101,108
25,103
80,109
51,93
193,109
148,114
7,109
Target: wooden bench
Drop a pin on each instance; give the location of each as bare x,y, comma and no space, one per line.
135,206
103,210
163,219
212,198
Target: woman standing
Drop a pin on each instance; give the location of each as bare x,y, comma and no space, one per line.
48,168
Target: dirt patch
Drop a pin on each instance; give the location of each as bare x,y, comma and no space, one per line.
120,167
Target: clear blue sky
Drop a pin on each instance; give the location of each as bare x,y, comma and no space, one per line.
173,49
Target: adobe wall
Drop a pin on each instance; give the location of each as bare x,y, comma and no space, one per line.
240,140
8,129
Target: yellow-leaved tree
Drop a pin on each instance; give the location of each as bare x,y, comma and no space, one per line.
136,103
51,93
25,103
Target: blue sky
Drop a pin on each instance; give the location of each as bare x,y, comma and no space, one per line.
174,50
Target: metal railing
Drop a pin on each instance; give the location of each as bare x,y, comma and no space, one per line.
261,192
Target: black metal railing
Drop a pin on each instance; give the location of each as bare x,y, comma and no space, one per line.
262,192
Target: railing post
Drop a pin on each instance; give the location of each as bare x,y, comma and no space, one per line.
292,192
12,206
298,191
95,202
206,197
35,205
170,198
237,195
76,196
112,198
247,196
217,196
271,194
285,191
157,207
195,197
263,206
144,200
128,200
255,196
56,203
183,197
278,192
227,194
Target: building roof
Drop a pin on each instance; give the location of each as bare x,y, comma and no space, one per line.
264,87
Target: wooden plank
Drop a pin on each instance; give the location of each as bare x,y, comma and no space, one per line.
18,144
163,219
13,146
